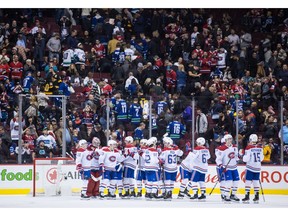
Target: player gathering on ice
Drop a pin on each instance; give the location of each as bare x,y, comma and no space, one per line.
130,167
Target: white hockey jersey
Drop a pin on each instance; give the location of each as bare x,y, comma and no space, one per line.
48,140
187,163
68,58
95,159
201,156
84,157
141,161
130,161
150,156
169,156
223,155
253,157
110,158
79,56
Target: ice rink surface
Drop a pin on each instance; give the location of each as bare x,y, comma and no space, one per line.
75,206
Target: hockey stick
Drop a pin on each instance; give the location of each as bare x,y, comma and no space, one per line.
262,190
220,177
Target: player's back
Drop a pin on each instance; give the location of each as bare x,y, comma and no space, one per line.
187,163
201,155
253,157
169,156
151,159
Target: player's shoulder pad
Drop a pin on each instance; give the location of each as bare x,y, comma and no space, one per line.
248,147
200,148
129,146
152,150
81,150
166,149
106,149
222,148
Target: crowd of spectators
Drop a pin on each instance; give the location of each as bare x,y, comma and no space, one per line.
218,58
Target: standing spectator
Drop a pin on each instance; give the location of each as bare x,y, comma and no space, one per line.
201,123
5,142
285,133
39,50
16,68
171,79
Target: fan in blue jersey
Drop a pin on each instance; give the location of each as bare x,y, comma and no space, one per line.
121,111
161,106
138,133
135,113
27,82
176,130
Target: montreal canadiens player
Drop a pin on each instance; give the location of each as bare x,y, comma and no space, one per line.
83,165
140,175
168,158
200,155
227,166
252,157
108,160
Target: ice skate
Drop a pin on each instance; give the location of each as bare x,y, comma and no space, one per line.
256,198
234,198
202,198
186,193
180,195
194,197
168,196
246,199
85,197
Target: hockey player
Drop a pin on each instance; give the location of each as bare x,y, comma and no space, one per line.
151,167
185,173
252,157
130,165
227,168
168,158
83,165
108,160
94,181
201,156
140,175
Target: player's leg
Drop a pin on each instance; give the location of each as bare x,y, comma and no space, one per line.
126,183
228,185
202,185
235,183
194,184
248,182
256,187
86,175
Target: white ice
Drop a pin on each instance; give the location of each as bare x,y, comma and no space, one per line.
213,201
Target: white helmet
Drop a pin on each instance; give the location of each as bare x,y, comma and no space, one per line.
222,140
253,138
150,143
96,142
227,136
143,141
167,141
154,140
111,143
129,139
200,141
82,143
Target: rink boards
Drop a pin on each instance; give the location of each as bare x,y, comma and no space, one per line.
18,179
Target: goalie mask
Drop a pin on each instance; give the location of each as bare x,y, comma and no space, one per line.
200,141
